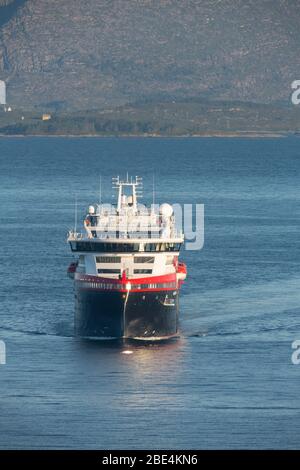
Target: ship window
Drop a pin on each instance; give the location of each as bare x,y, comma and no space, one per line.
119,247
144,259
108,259
162,246
109,271
142,271
105,247
172,246
152,247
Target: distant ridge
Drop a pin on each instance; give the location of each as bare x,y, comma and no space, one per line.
100,54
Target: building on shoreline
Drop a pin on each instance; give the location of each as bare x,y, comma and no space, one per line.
2,93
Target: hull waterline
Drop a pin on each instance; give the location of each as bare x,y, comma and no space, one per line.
133,315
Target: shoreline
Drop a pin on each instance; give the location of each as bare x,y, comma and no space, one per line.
254,135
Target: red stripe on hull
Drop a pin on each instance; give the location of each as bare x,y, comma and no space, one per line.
167,282
131,290
141,280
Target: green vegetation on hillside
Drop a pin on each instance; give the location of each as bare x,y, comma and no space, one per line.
163,118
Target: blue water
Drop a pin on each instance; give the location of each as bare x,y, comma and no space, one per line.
228,382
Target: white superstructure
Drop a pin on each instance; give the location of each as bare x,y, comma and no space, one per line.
127,238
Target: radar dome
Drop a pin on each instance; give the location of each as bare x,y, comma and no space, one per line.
91,210
166,210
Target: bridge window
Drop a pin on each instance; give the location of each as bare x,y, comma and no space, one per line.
107,247
162,246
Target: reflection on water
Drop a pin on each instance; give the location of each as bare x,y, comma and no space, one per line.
143,380
145,359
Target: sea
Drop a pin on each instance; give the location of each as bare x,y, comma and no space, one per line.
228,381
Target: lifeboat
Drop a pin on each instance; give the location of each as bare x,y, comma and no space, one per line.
181,271
72,269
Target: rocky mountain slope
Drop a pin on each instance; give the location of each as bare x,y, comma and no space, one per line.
91,54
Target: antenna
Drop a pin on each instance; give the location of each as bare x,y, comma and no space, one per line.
100,189
115,182
75,222
153,189
139,186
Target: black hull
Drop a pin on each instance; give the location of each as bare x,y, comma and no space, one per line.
113,314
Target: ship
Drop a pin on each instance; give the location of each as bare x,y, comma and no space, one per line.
126,270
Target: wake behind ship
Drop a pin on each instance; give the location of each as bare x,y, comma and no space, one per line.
126,273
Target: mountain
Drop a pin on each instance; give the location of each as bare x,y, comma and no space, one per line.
100,54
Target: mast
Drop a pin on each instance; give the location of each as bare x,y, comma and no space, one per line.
127,199
75,215
153,191
100,189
